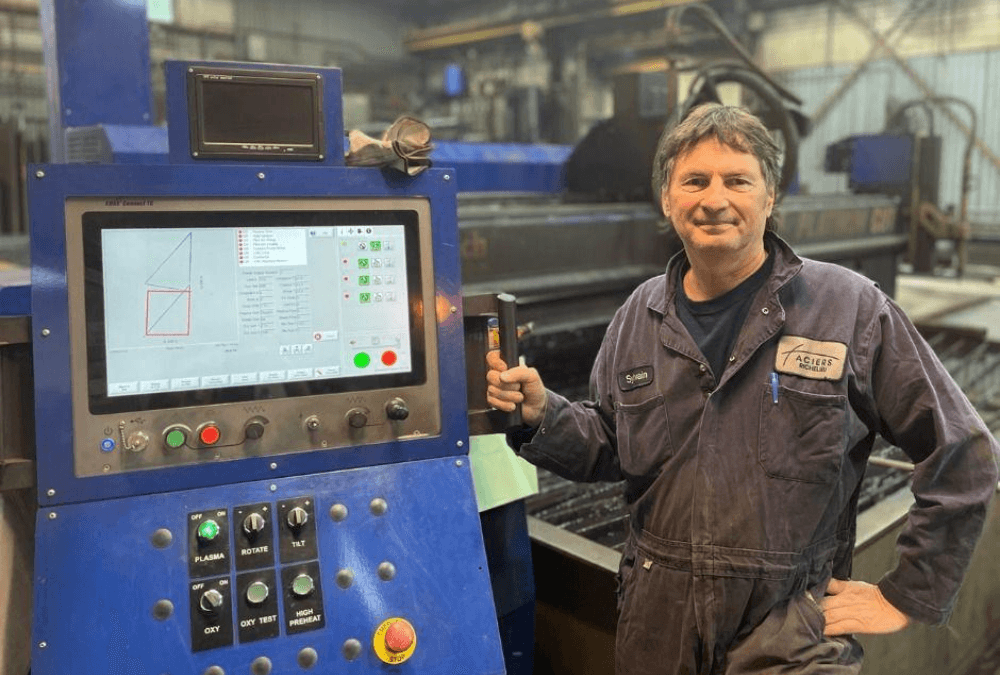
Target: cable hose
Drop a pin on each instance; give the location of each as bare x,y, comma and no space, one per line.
712,75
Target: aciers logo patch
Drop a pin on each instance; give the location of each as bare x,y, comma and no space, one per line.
635,378
813,359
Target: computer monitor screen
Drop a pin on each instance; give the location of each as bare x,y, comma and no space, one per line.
261,113
201,307
246,114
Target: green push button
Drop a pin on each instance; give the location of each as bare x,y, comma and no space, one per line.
302,585
208,530
362,359
175,438
257,593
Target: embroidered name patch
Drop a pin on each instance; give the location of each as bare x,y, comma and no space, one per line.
810,358
635,378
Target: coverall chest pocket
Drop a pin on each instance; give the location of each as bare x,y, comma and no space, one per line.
643,435
801,436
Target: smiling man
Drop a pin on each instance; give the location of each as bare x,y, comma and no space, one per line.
738,396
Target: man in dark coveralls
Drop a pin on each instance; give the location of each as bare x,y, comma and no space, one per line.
738,396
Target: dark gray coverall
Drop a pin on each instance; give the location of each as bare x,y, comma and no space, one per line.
743,486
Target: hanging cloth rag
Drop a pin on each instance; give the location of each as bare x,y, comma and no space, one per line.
405,146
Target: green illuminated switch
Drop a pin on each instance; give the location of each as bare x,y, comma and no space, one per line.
208,530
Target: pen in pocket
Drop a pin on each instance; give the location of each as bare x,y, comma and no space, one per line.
774,387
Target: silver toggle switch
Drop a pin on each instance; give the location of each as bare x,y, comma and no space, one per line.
211,601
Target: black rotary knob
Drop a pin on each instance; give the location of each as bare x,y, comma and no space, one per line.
211,602
396,409
357,417
297,518
253,525
253,429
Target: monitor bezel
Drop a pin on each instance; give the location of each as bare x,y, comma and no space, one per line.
201,148
94,220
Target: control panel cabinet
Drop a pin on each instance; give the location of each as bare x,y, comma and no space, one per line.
252,424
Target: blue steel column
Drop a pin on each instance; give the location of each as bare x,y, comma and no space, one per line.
97,65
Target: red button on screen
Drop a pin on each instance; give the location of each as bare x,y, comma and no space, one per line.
389,357
210,435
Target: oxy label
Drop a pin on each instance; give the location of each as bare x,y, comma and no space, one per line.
813,359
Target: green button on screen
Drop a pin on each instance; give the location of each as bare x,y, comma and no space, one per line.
208,530
176,438
362,359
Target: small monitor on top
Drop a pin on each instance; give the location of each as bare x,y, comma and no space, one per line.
240,113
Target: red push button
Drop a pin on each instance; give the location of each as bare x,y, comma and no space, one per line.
399,637
389,357
394,641
209,434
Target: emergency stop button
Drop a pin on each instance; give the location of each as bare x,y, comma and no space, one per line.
395,640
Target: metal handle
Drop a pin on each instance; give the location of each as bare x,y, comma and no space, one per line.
507,316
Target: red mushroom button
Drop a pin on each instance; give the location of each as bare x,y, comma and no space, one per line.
399,637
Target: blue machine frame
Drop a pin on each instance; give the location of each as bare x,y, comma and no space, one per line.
393,531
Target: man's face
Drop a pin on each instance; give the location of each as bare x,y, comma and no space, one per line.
718,202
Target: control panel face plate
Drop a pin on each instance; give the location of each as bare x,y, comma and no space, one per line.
220,329
365,547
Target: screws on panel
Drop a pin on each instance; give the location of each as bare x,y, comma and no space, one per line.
378,506
307,658
345,578
386,571
163,610
261,666
162,538
352,649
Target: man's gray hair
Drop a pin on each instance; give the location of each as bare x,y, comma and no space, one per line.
732,126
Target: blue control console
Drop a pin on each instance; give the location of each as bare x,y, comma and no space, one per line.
290,572
252,427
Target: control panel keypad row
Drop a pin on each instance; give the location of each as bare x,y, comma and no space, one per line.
257,591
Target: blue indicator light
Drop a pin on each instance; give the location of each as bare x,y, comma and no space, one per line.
107,445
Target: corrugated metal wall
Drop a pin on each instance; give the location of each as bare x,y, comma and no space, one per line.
972,76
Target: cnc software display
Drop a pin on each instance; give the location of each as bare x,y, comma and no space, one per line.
235,301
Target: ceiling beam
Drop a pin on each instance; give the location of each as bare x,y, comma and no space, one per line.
471,32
